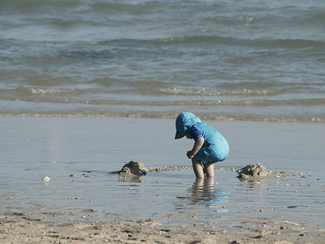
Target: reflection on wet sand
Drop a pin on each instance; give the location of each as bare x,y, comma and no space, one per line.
203,192
131,178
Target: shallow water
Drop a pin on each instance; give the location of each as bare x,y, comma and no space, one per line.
67,148
223,60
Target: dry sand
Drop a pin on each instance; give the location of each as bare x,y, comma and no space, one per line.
24,228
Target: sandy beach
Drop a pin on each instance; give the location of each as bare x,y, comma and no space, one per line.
87,87
21,228
82,202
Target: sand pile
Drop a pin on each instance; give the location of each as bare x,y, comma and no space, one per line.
257,171
138,169
133,169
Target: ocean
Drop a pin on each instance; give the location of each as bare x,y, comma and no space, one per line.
222,60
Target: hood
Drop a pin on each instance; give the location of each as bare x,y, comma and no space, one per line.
184,122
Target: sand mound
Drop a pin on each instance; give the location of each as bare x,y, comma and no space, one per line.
258,171
133,169
137,169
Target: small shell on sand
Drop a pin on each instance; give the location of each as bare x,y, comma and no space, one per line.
46,179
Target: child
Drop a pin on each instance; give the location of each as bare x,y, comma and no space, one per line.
209,147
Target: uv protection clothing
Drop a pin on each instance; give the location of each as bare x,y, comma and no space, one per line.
215,147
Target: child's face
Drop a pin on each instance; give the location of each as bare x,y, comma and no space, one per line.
188,136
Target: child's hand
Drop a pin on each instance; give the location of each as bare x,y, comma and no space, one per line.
190,155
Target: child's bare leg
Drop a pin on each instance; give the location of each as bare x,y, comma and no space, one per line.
197,167
209,169
209,182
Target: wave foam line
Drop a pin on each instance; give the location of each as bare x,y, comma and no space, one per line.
195,103
173,116
213,39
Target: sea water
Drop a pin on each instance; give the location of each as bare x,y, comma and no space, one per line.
247,60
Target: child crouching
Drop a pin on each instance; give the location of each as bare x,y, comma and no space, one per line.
209,146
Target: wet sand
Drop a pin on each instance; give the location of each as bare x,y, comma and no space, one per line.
83,203
22,228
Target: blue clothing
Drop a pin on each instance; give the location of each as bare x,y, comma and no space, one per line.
195,133
184,122
215,147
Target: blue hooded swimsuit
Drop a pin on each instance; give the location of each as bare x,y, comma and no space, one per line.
215,147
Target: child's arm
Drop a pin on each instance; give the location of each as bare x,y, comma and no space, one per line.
197,146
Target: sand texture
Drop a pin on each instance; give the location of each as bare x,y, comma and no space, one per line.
258,171
135,171
24,228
